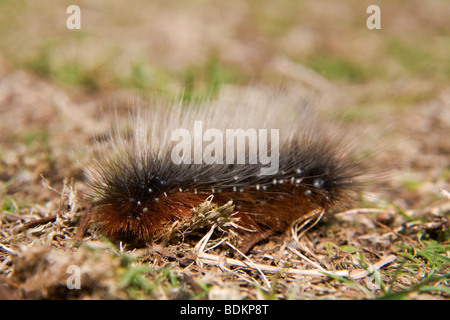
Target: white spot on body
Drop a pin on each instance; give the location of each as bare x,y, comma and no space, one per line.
318,183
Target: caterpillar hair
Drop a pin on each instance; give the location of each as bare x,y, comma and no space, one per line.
270,154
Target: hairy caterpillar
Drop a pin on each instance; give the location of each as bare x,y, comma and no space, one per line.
144,178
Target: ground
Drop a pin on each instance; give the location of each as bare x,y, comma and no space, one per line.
393,243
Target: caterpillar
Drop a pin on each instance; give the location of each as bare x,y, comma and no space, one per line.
270,153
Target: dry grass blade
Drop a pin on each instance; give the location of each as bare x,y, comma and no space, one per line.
302,225
359,274
252,264
200,246
359,210
318,266
215,261
445,193
204,216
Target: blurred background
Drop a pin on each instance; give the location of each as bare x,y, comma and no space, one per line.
200,45
54,80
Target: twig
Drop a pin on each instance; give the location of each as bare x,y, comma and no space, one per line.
47,184
244,278
394,232
359,210
253,265
358,274
214,261
354,274
200,246
318,266
37,222
7,249
299,230
445,193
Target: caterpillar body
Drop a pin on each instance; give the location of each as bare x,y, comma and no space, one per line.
145,178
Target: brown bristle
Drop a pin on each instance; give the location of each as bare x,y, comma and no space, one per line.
143,220
265,211
275,209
